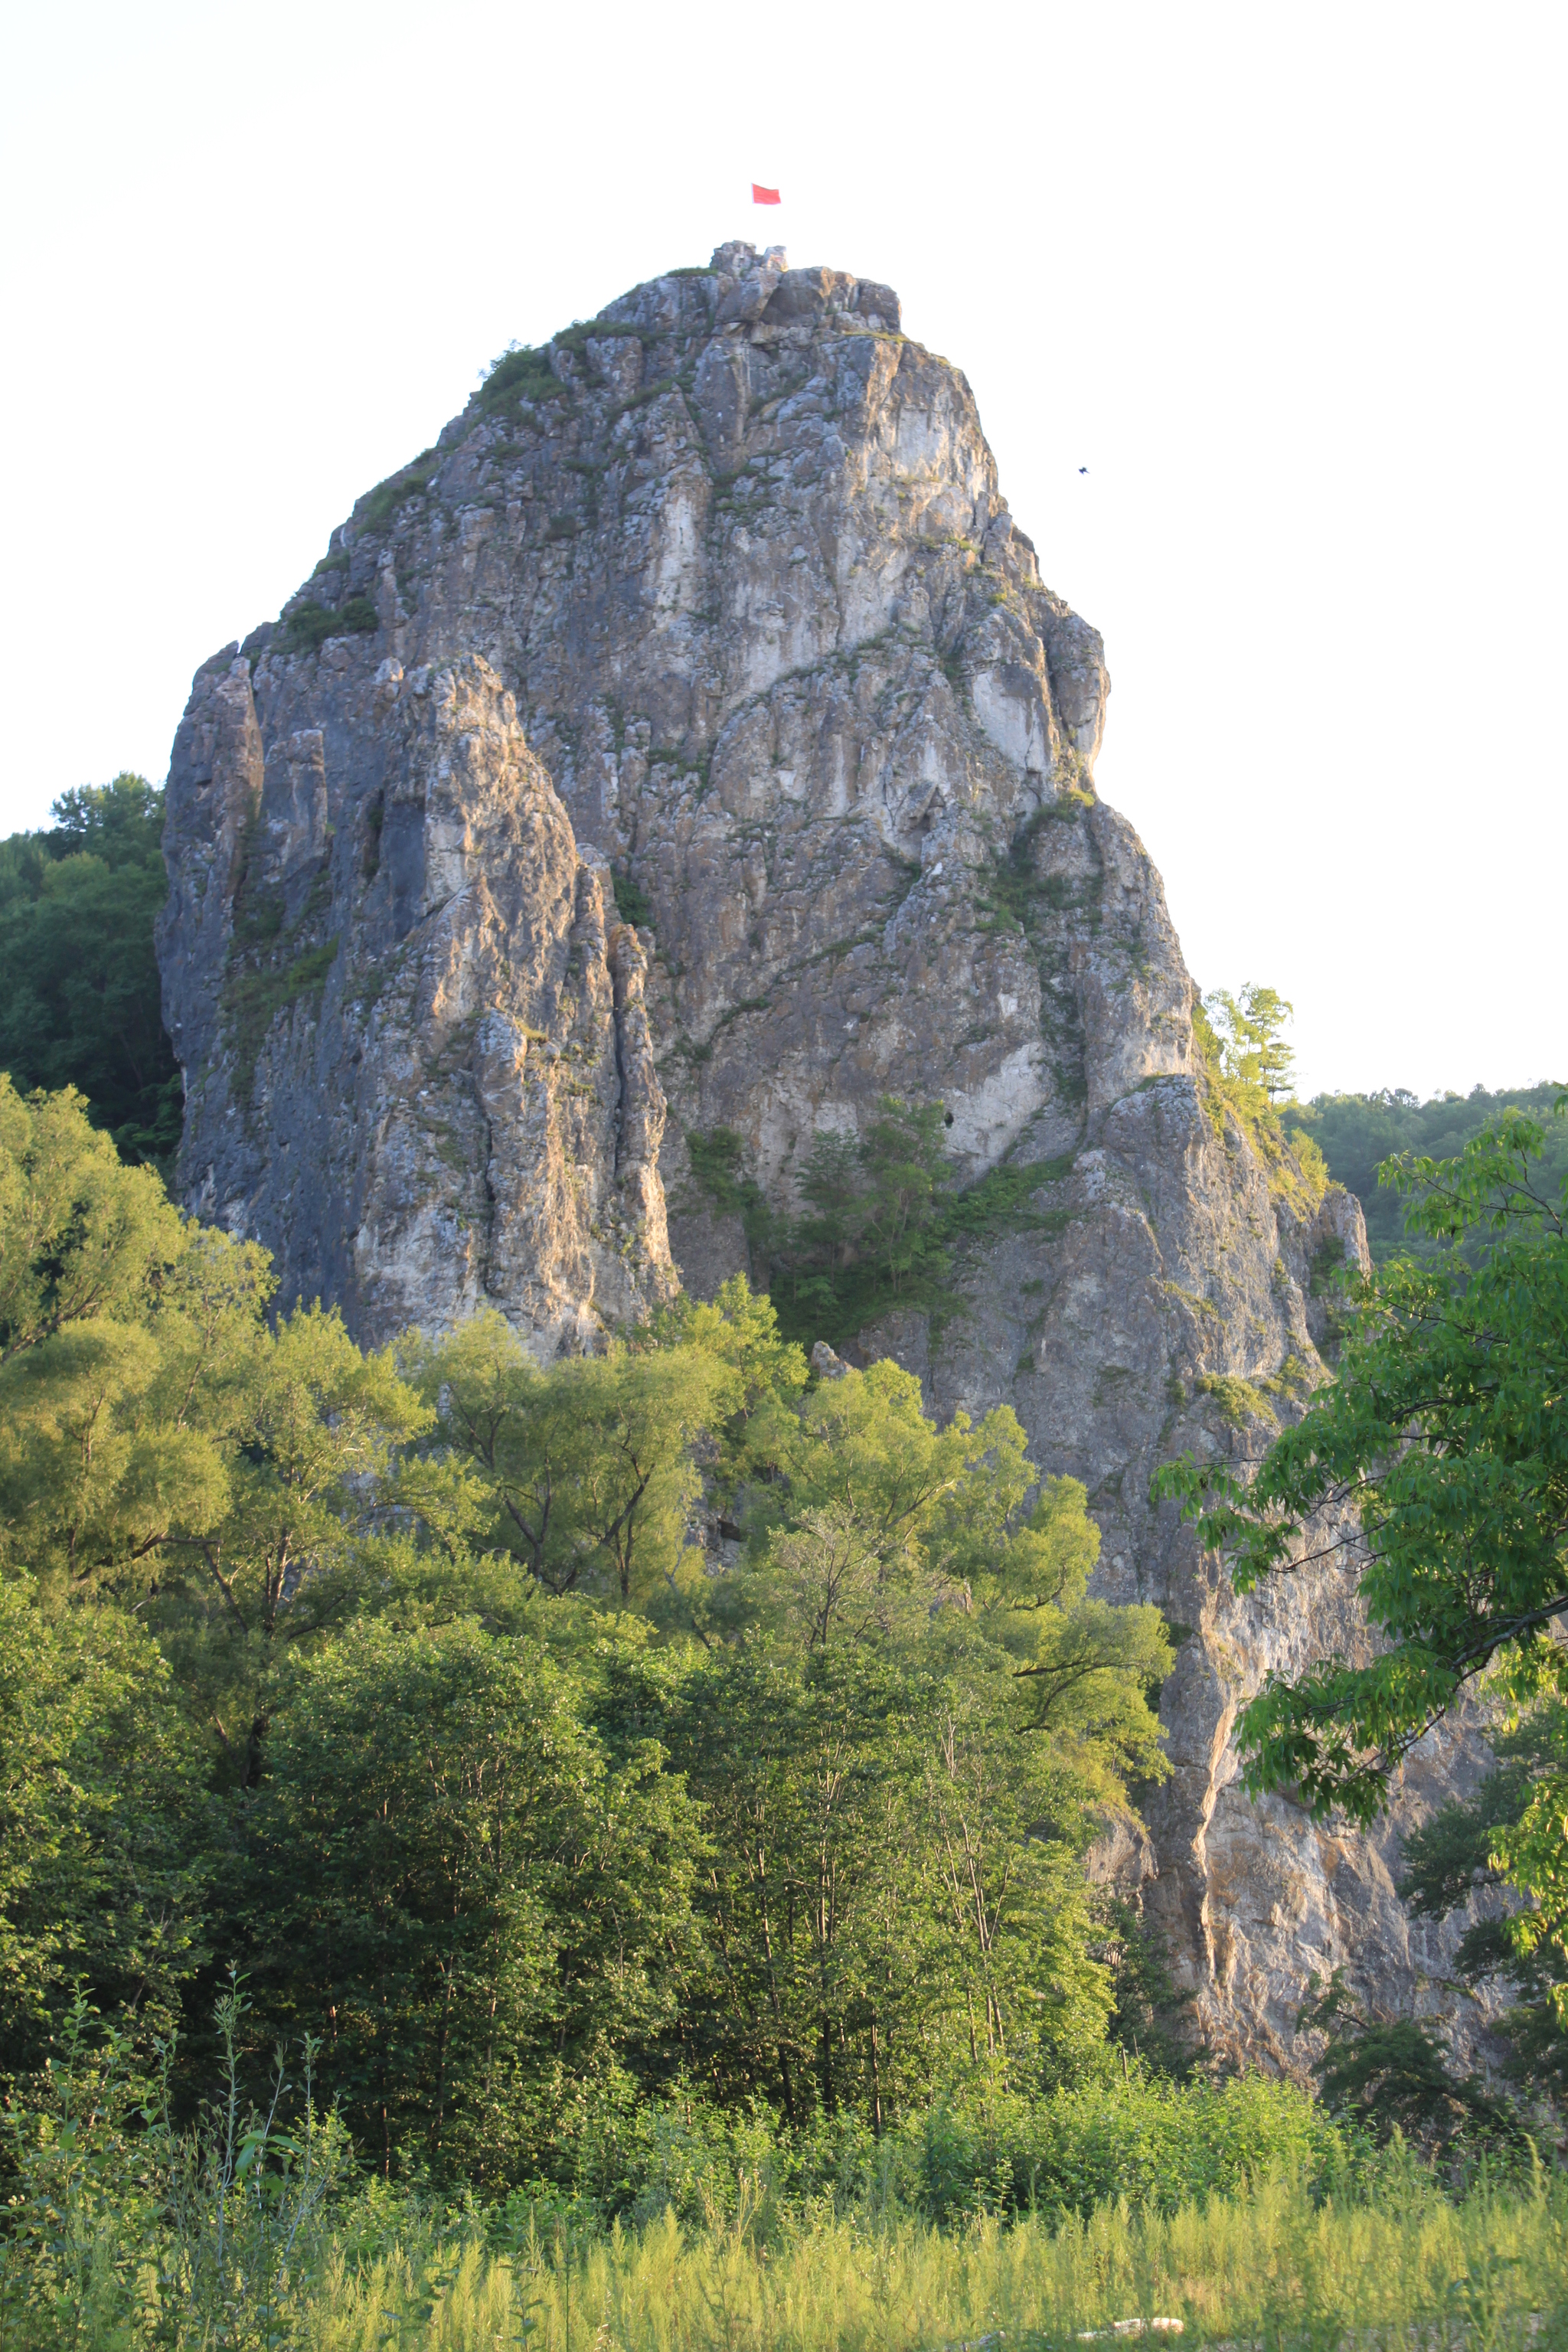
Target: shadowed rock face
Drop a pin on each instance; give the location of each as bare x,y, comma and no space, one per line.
734,556
417,1062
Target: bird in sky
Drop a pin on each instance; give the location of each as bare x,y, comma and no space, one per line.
1083,469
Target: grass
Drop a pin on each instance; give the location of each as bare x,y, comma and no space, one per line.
1274,2269
1240,2208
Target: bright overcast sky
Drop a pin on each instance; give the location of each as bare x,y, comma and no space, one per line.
1288,281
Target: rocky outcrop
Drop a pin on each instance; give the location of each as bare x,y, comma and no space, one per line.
736,550
417,1059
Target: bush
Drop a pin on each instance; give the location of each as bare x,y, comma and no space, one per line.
308,625
1152,2142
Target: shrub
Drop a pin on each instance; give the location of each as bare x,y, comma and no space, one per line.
632,902
410,481
308,625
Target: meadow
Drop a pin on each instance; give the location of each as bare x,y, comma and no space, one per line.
1401,2263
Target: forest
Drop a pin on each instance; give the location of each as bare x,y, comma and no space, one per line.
602,1850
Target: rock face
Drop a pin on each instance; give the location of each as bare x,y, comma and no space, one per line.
734,555
418,1061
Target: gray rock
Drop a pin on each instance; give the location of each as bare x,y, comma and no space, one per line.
735,555
417,1057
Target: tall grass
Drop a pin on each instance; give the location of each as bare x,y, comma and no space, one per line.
1412,2267
1238,2209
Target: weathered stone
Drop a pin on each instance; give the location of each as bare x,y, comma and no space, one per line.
462,1107
737,554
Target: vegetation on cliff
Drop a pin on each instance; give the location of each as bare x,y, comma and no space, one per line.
882,1225
1444,1436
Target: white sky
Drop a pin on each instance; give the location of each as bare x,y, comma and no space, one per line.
1288,280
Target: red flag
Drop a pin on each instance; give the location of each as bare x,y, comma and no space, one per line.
765,195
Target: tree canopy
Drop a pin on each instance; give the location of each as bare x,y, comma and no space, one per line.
543,1738
80,1004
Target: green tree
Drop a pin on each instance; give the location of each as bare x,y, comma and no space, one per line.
1461,1851
79,993
1085,1667
802,1767
161,1444
864,1442
443,1865
913,1728
873,1234
1391,2074
1440,1457
588,1465
100,1453
102,1823
1358,1133
1250,1034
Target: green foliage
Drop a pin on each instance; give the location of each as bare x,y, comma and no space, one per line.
1250,1029
1358,1133
897,1627
126,2230
1160,2146
442,1861
80,994
1241,2208
163,1446
1239,1401
376,509
632,902
1389,2074
656,1778
880,1224
102,1823
1444,1434
717,1161
1152,2018
415,1678
1246,1064
590,1467
309,624
1464,1848
519,374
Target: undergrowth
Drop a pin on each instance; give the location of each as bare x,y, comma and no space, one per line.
1293,2255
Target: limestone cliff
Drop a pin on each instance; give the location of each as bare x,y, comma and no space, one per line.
734,557
416,1060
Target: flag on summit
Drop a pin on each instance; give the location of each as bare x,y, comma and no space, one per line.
765,195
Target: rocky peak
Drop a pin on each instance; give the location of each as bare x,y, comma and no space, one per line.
721,582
